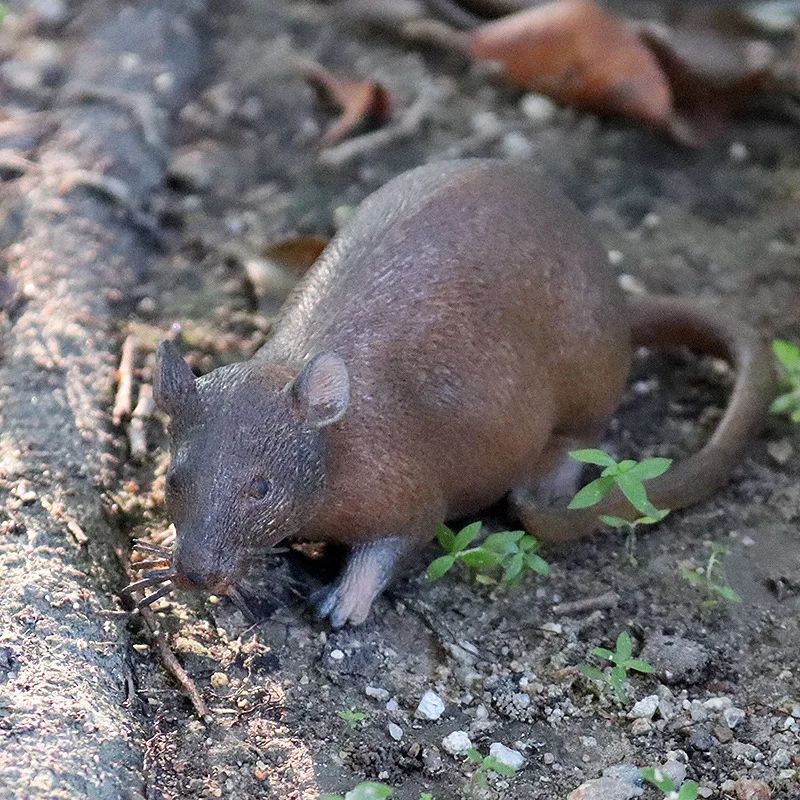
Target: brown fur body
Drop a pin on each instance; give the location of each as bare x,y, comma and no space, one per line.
453,341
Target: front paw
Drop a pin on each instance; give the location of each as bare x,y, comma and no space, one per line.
341,603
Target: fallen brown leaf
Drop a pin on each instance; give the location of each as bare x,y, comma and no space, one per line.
360,101
581,55
711,75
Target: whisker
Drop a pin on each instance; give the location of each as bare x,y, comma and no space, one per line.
137,565
236,598
148,547
151,598
156,577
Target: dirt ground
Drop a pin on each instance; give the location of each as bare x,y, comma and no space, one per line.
721,224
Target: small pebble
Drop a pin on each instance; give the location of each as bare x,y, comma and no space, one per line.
734,716
675,771
430,707
505,755
641,726
538,108
747,789
717,703
456,743
605,789
337,655
644,708
376,693
395,731
701,740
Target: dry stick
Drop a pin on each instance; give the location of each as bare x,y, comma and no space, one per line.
607,600
123,400
408,124
173,666
137,429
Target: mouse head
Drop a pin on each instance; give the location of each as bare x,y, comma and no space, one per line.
248,457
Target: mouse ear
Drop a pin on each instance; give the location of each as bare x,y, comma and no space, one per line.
173,381
322,390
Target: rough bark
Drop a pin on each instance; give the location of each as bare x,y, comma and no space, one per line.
80,241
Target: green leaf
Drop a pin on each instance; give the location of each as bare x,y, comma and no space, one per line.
727,593
592,456
603,653
592,673
465,536
475,756
370,791
658,779
445,537
438,567
479,558
625,466
689,791
490,762
693,575
639,665
537,564
788,354
592,493
503,543
624,646
331,797
514,568
528,543
426,796
650,468
615,522
785,403
634,490
485,580
618,678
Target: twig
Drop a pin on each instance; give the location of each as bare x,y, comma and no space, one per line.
607,600
123,400
137,429
173,666
408,124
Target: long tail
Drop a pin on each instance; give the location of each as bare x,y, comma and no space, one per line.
659,321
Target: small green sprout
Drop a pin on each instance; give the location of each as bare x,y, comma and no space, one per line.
629,475
617,676
352,717
486,764
712,578
364,791
511,553
426,796
688,791
788,402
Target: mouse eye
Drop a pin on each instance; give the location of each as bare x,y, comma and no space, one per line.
259,488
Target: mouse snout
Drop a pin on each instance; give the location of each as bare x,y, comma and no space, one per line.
194,569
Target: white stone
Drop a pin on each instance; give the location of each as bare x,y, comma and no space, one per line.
376,693
538,108
717,703
733,717
337,655
456,743
644,708
395,731
430,707
641,726
505,755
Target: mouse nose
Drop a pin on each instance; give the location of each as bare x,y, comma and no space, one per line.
193,570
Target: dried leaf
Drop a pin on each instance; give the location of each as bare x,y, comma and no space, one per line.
711,75
361,102
581,55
